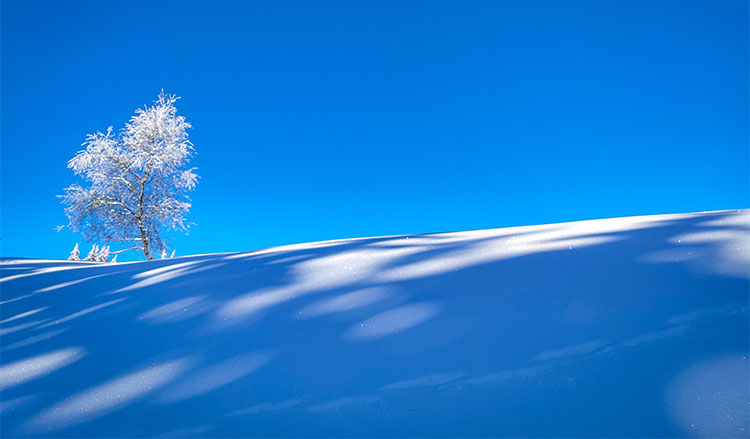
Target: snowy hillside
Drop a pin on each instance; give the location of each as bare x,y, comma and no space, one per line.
620,327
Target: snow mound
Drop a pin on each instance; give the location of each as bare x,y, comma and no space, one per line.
619,327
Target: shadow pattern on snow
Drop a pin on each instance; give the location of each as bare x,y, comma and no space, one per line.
592,328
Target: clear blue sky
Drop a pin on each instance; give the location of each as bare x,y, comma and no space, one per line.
320,120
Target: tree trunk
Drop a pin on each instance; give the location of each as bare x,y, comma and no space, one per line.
144,240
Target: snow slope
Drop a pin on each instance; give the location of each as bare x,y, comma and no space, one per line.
619,327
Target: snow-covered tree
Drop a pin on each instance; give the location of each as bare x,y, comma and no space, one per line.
114,260
172,255
164,254
103,255
138,180
75,254
92,253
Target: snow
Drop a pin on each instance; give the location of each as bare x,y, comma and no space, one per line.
619,327
21,371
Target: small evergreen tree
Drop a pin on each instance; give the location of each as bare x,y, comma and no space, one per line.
75,255
114,260
164,254
172,255
92,253
103,255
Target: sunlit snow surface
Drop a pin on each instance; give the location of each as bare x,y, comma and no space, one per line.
622,327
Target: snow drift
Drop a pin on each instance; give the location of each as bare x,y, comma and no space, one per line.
619,327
